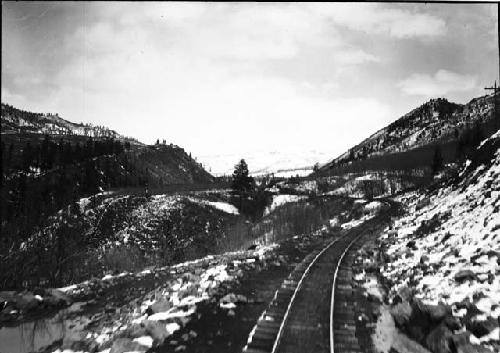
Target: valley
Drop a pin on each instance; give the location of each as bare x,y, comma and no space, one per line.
165,257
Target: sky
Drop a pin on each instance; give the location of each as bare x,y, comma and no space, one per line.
239,78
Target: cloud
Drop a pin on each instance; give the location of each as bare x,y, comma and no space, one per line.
375,19
210,76
441,83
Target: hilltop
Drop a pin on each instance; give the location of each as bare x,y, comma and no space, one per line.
437,122
49,163
17,121
158,164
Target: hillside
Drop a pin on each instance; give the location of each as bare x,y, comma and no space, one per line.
27,138
436,122
168,164
443,256
47,166
17,121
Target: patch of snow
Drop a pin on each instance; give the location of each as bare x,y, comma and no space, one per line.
280,200
224,206
146,341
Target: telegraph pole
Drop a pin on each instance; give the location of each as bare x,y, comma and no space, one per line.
496,113
495,109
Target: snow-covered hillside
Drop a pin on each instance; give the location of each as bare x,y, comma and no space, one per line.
446,250
435,120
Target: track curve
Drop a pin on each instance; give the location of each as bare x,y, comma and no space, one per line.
312,311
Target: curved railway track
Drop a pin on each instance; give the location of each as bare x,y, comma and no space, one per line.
313,309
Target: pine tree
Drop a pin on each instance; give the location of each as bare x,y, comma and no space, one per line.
242,183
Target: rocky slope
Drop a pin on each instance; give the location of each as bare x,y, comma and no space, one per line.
443,260
436,121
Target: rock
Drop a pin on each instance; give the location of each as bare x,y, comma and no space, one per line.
401,313
424,259
493,253
411,245
372,268
242,298
483,327
136,330
452,322
122,345
420,322
160,306
406,293
437,313
460,339
464,275
232,298
156,330
27,301
461,343
439,340
471,348
60,297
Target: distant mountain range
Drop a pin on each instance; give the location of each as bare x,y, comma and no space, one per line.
279,163
435,122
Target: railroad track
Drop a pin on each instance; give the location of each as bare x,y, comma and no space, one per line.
313,309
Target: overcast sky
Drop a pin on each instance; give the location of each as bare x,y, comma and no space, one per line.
238,77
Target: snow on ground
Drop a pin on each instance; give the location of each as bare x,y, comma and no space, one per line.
373,206
448,246
290,173
280,200
222,206
356,222
168,308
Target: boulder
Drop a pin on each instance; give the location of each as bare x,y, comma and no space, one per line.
122,345
471,348
27,301
401,313
420,322
406,293
412,245
452,323
460,339
160,306
439,340
59,297
156,330
424,259
464,275
483,327
136,330
437,313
